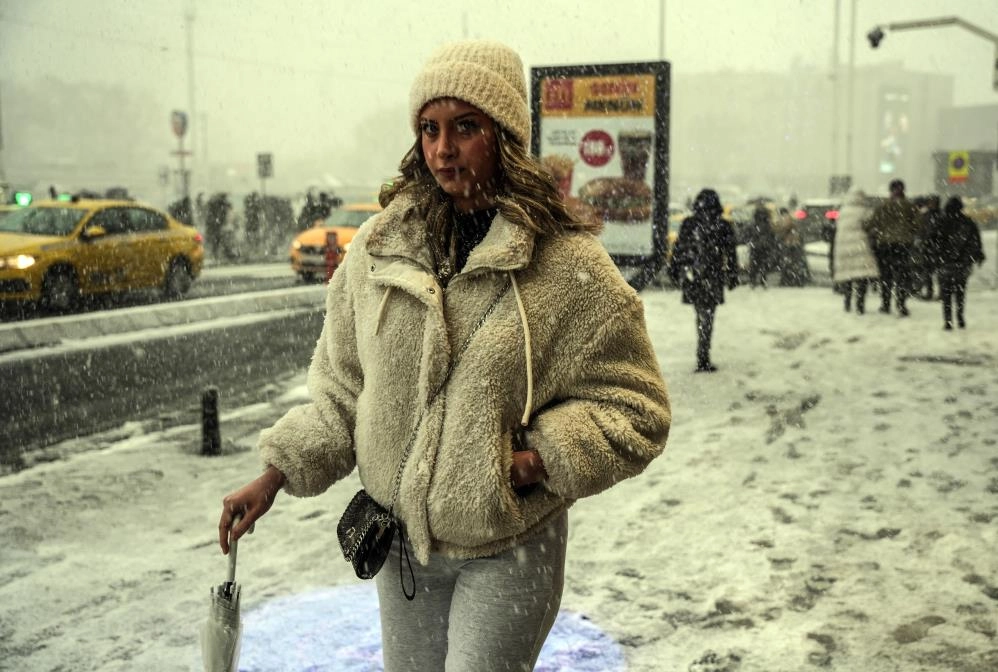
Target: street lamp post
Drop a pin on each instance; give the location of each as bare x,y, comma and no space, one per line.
877,35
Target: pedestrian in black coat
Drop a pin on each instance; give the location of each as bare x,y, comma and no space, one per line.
922,268
762,245
704,262
953,245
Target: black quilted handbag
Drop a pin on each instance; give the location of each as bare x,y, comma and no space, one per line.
366,531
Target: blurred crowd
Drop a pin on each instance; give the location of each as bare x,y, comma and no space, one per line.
258,229
902,248
897,247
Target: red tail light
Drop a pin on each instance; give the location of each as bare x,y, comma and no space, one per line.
800,214
198,238
831,214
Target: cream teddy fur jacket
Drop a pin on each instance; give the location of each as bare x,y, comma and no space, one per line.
592,389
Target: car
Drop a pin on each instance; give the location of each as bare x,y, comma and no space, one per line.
55,252
308,249
983,210
816,218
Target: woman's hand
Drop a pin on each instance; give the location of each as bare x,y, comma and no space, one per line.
247,503
527,468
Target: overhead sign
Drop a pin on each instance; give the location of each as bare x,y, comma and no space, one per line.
958,167
178,121
265,165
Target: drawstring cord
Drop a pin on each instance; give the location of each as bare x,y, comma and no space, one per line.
381,310
525,420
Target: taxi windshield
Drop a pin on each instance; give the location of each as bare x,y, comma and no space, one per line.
350,218
42,221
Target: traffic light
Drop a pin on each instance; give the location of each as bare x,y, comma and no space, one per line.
22,198
875,36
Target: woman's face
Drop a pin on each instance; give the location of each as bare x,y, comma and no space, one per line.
459,145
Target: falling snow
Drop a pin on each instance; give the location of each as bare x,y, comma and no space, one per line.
828,499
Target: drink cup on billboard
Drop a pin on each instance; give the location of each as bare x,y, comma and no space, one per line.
560,167
635,148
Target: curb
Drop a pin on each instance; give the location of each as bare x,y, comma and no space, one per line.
51,331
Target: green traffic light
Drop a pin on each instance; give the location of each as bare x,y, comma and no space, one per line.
22,198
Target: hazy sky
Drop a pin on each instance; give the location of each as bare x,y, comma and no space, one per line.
295,76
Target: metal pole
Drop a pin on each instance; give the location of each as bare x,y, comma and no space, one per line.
3,179
205,169
185,190
189,20
661,30
851,89
836,96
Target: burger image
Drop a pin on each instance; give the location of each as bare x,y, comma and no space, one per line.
618,199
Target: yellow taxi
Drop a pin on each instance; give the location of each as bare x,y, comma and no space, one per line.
308,249
55,252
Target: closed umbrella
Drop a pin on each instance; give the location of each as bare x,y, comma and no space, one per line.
220,634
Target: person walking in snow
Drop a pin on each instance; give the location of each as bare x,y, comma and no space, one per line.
703,264
794,271
893,227
853,262
762,245
953,245
922,270
547,402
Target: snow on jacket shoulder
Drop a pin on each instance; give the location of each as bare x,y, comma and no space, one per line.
599,408
894,222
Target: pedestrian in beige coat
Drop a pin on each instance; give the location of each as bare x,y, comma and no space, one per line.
557,396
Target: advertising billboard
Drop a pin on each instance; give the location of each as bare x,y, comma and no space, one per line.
603,132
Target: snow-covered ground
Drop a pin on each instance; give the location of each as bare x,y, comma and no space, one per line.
827,500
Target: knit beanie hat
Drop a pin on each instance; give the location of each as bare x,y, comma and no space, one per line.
486,74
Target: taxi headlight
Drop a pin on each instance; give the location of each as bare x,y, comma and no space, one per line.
296,245
20,262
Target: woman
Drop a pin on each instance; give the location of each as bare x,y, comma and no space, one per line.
549,402
853,262
704,262
953,244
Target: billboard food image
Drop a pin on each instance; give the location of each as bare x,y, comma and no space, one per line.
618,199
597,138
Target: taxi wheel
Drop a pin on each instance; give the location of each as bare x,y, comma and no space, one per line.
59,290
178,279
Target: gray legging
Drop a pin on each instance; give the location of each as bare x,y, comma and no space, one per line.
482,615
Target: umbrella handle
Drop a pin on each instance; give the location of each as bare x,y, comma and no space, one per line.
234,546
233,549
232,561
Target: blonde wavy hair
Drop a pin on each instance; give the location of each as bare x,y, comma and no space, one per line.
527,194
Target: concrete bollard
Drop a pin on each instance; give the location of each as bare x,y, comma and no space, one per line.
211,438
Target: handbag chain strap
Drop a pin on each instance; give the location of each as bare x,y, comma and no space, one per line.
443,381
